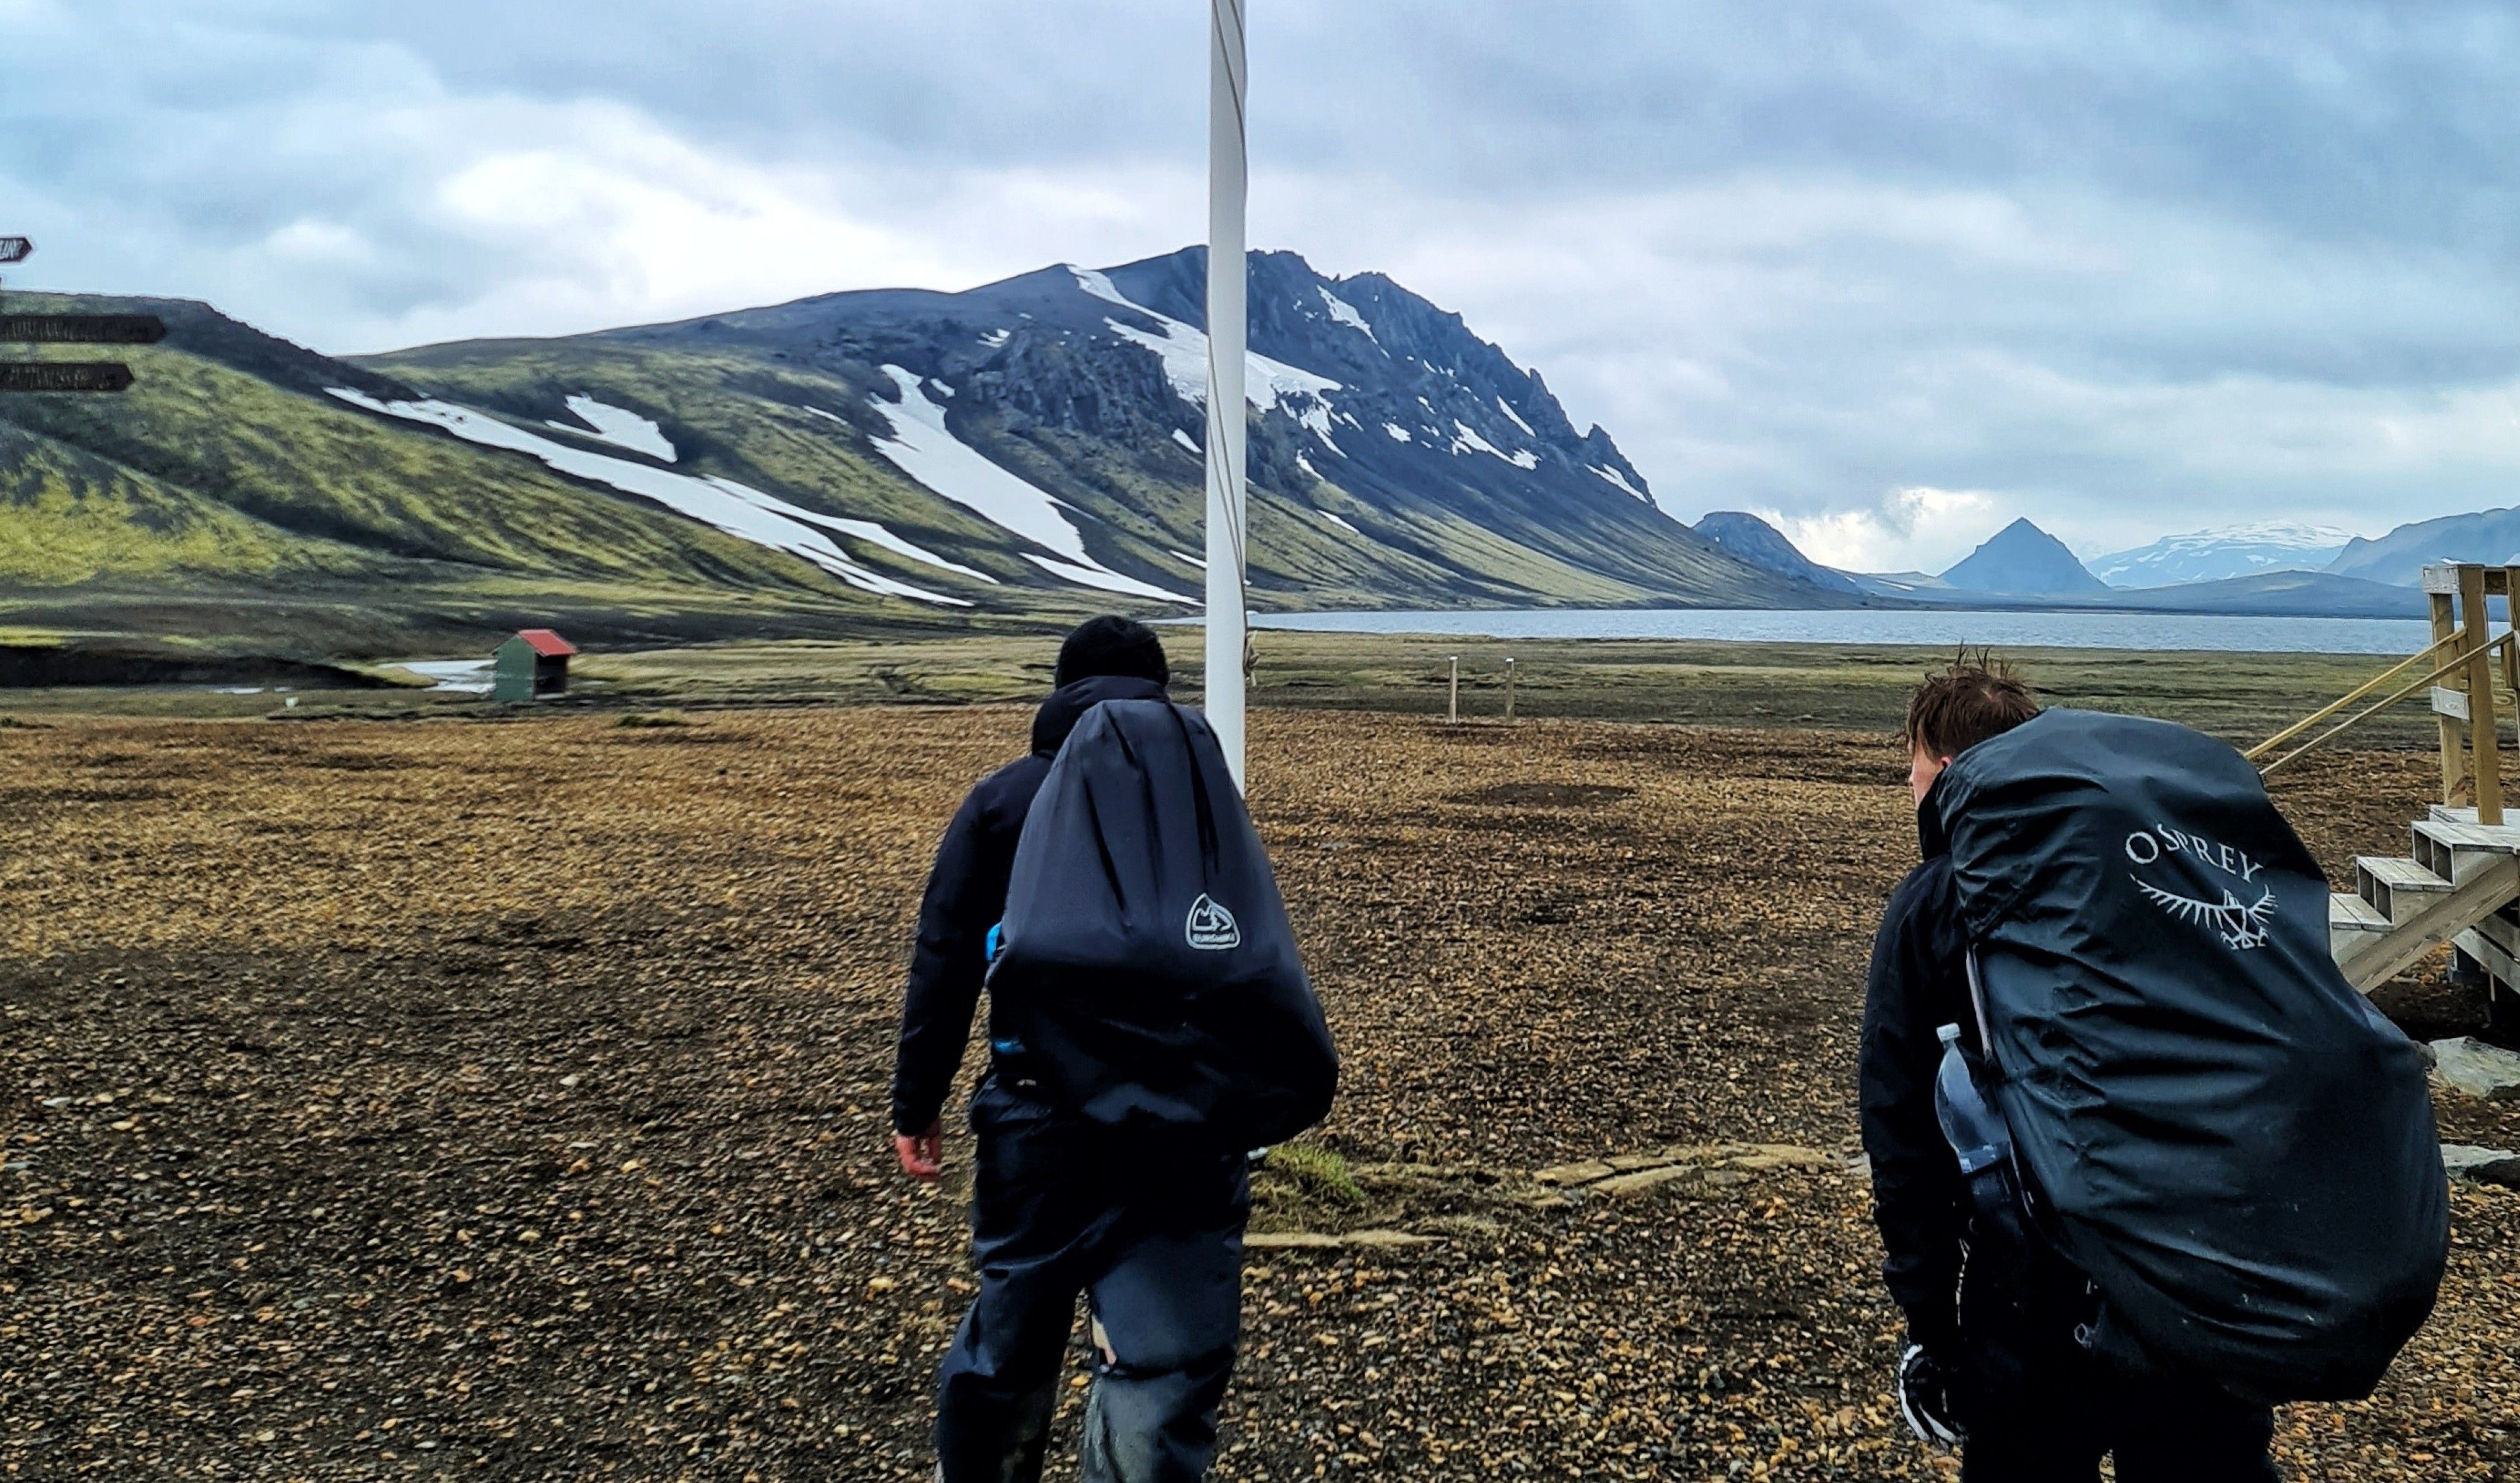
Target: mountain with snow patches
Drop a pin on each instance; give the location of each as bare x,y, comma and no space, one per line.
2234,551
2021,560
854,463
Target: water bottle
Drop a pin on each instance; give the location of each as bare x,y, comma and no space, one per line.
1999,1226
1973,1127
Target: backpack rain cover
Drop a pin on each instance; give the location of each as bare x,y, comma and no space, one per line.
1149,973
2219,1131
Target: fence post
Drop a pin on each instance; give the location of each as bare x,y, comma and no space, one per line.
1453,707
2484,728
1509,690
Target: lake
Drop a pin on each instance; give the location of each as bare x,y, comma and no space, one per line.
1931,628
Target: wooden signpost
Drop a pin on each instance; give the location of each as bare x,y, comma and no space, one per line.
82,328
65,375
69,330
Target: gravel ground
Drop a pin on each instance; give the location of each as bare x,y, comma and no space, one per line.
507,1100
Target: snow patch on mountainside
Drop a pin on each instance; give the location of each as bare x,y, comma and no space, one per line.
1340,524
1467,439
1521,458
1621,481
938,461
1186,440
739,510
1399,435
617,426
1506,408
1184,352
1346,313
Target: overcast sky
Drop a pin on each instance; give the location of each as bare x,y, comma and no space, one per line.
1895,271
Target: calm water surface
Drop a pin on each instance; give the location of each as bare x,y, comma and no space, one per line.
1935,628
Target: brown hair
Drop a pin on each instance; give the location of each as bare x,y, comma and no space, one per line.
1976,697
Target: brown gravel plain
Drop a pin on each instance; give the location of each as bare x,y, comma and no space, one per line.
505,1101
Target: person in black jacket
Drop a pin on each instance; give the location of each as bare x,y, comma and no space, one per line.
1993,1362
1059,1208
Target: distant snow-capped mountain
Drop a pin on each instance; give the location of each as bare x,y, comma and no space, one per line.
2233,550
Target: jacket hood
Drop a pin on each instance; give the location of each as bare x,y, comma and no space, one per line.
1068,704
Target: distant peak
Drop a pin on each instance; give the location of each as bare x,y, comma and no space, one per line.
2023,558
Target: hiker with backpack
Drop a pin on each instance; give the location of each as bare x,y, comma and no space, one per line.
2144,1164
1150,1023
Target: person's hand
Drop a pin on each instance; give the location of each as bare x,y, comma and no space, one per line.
1925,1398
923,1157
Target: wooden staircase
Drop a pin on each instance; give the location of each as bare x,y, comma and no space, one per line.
2461,883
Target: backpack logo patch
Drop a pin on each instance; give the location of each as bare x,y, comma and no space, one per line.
2242,926
1211,928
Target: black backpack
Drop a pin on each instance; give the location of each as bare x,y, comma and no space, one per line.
1146,975
2207,1119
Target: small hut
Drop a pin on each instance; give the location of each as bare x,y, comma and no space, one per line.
531,664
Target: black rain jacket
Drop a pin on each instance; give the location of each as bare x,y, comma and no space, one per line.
1918,983
966,895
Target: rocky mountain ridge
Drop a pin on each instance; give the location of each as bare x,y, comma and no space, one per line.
849,463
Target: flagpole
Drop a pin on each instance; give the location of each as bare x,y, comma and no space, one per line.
1228,325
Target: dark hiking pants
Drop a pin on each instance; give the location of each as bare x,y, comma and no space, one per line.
2041,1408
2158,1433
1154,1241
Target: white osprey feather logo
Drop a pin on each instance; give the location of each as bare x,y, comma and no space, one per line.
1211,928
2242,926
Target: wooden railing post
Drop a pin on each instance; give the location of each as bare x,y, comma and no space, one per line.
2442,589
2511,625
2483,729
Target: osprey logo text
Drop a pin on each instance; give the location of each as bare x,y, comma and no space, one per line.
2243,925
1212,928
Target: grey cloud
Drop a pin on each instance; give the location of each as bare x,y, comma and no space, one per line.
2121,264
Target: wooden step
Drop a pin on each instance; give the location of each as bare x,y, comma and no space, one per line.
2423,911
2348,918
2349,913
2451,849
2395,886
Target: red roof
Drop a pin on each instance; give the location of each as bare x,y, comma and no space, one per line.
544,642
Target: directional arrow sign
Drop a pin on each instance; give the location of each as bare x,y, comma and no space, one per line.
83,329
14,248
65,375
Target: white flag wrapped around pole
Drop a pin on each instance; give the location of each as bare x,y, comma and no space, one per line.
1228,325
